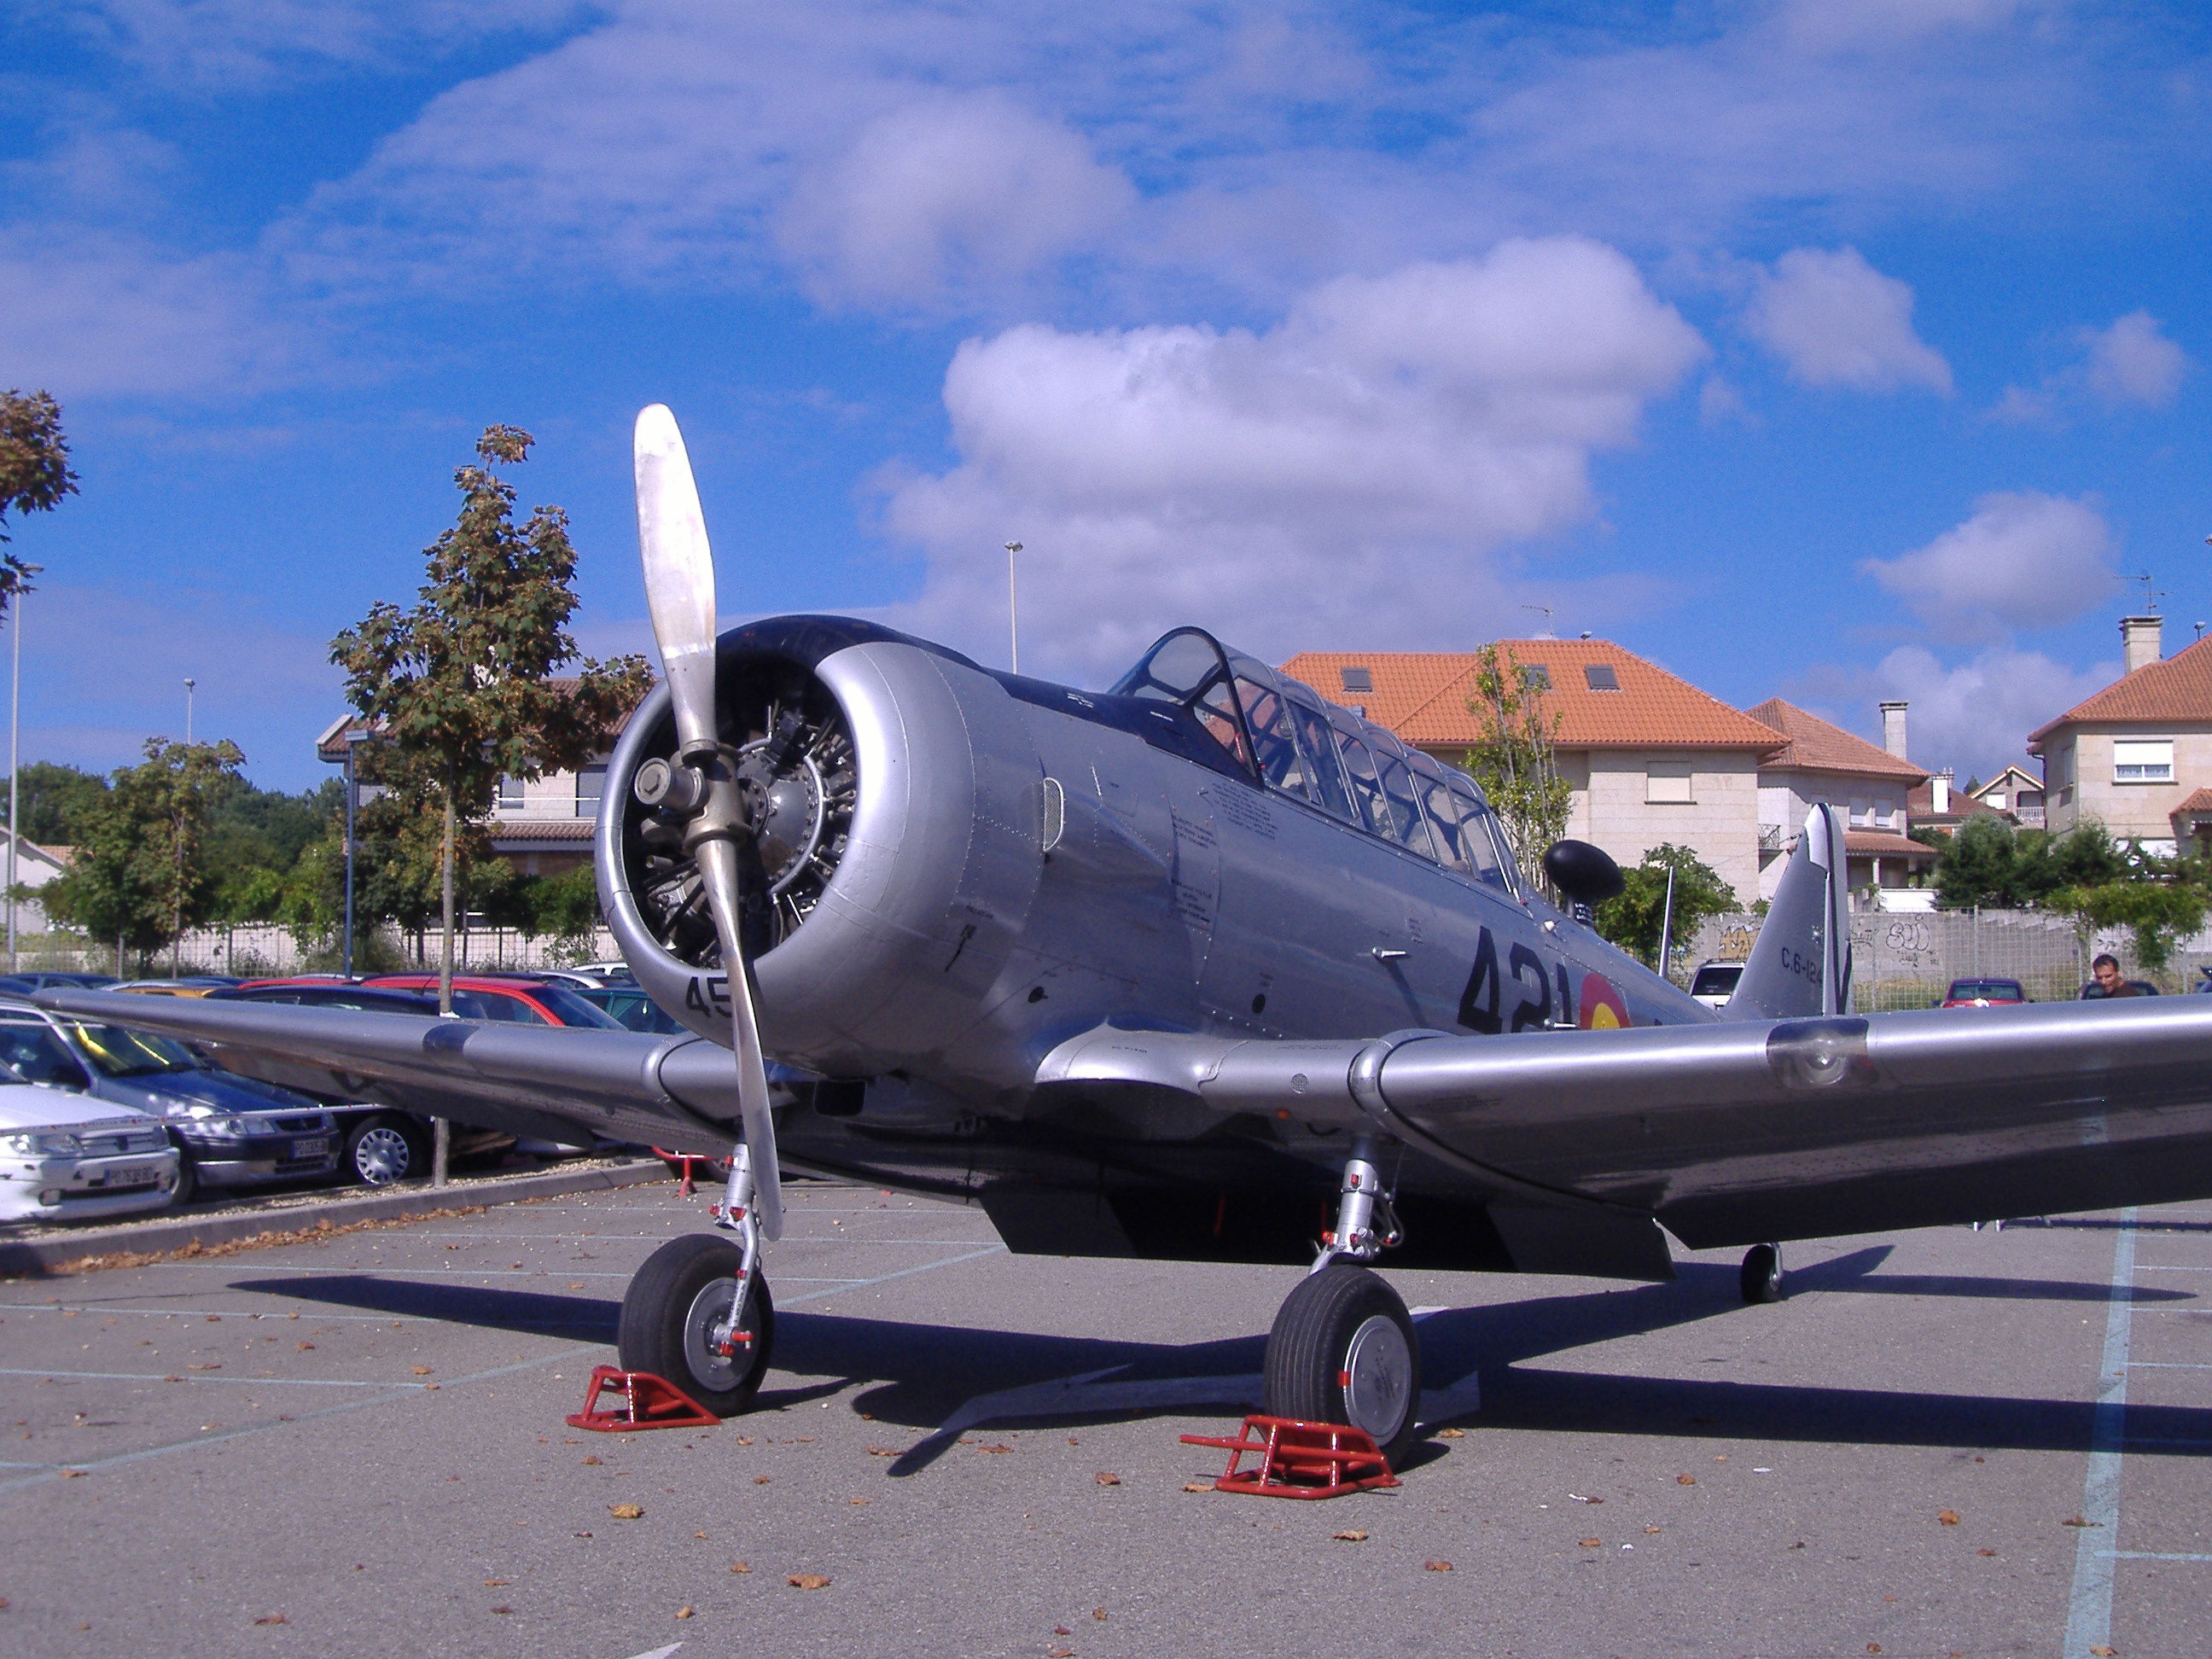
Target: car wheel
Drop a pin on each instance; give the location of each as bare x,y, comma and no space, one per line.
382,1150
188,1182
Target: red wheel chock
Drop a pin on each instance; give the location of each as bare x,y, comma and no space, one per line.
647,1402
1299,1459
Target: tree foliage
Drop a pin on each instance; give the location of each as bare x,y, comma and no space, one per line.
139,876
457,689
34,472
1992,864
53,799
1513,758
1635,918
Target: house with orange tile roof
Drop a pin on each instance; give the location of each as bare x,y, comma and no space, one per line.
1870,785
2136,755
1649,758
2013,793
542,826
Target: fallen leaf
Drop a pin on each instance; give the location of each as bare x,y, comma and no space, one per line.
1650,1530
1357,1535
1099,1614
760,1480
594,1458
1106,1479
578,1285
739,1566
1799,1545
272,1619
583,1534
307,1347
994,1449
1435,1566
1451,1434
216,1366
1686,1480
420,1370
745,1440
1060,1653
1874,1647
1061,1630
1589,1543
850,1500
1948,1518
808,1581
502,1611
1198,1485
627,1512
882,1451
2076,1521
684,1613
1985,1552
72,1474
497,1584
2104,1652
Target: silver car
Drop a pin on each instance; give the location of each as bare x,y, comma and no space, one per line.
230,1131
66,1158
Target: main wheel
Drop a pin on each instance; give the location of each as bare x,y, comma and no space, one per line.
382,1150
1344,1351
674,1301
1761,1278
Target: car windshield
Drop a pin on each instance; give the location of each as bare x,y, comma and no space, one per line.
118,1053
571,1009
1718,982
1987,990
32,1052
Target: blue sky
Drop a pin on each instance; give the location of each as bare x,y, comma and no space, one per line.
1836,349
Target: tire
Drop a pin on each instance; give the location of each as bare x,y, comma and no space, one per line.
1342,1323
188,1183
1761,1276
672,1299
381,1150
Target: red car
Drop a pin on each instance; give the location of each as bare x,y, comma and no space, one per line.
1982,993
515,998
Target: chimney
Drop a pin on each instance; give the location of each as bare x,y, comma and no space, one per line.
2139,641
1940,789
1892,728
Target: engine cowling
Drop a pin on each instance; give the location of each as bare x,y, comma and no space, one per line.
894,795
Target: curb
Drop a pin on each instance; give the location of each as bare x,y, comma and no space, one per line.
36,1258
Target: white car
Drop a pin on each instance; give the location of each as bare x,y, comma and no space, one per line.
65,1155
1716,982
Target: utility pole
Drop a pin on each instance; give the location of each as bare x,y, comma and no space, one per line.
15,747
353,793
189,685
1013,628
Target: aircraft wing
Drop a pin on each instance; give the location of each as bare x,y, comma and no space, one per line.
1750,1130
677,1093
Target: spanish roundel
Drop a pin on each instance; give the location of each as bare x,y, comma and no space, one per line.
1602,1008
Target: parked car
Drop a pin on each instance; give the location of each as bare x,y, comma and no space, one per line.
382,1144
523,999
230,1131
1982,993
66,1157
596,972
1714,983
190,985
40,980
634,1010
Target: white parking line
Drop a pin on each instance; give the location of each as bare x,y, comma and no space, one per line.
2150,1555
2089,1609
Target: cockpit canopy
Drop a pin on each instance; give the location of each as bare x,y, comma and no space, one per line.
1286,737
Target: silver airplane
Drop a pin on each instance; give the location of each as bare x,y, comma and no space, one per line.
1204,968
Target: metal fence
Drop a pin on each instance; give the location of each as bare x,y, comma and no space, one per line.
1909,960
268,950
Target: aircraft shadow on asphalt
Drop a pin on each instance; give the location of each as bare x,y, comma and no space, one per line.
932,1377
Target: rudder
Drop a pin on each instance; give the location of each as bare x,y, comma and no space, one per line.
1800,968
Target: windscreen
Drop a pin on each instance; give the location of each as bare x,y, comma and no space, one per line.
33,1054
118,1053
1718,981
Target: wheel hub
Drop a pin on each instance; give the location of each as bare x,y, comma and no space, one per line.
1378,1368
708,1313
382,1156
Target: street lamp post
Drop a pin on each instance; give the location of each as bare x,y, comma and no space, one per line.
15,746
352,794
1013,628
189,685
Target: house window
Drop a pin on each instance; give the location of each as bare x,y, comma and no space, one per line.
1667,783
1357,679
1600,677
1539,675
1862,814
1885,813
591,784
510,794
2142,760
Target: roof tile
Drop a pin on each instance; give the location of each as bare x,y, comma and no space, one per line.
1817,746
2178,688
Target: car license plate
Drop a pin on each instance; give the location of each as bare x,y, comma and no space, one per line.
313,1147
130,1175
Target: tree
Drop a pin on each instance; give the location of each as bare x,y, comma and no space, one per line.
2158,915
1513,759
139,876
34,472
1635,918
54,800
458,690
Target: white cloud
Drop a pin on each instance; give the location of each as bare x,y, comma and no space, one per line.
1339,477
2024,559
972,192
1823,24
1836,321
2131,362
1974,716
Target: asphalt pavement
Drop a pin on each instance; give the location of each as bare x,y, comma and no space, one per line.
1942,1443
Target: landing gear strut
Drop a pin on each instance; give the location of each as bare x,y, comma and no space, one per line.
699,1313
1343,1349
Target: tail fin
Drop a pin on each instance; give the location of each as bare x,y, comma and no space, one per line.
1801,965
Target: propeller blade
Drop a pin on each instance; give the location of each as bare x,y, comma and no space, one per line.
680,590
